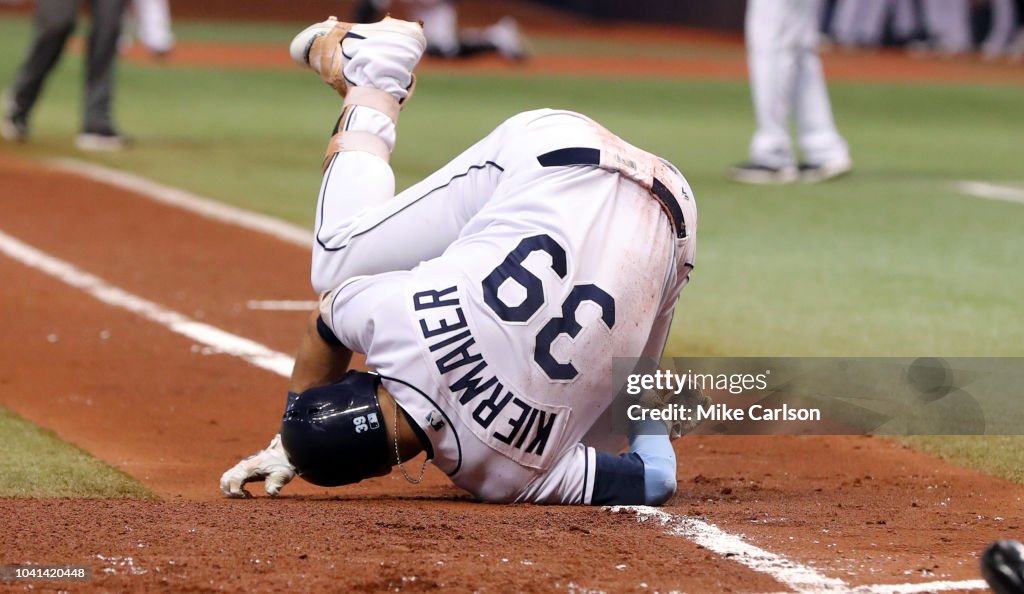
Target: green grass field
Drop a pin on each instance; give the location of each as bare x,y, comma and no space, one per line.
891,261
36,463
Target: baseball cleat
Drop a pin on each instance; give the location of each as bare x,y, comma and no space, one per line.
14,129
815,174
302,44
380,55
507,39
758,174
102,141
1002,566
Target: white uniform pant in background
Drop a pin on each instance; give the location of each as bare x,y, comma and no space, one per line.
859,23
906,20
440,24
948,24
154,25
1004,26
788,84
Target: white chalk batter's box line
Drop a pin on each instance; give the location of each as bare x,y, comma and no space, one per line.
799,578
990,191
281,305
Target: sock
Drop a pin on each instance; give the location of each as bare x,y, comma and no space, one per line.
384,62
366,119
649,440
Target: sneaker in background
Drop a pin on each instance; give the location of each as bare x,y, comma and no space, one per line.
759,174
102,141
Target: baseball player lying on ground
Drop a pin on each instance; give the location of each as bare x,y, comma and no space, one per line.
490,298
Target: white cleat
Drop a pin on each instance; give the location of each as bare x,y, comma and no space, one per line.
823,172
103,142
303,42
507,39
394,46
763,175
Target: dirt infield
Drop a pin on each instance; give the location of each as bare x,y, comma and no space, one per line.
175,415
890,66
834,513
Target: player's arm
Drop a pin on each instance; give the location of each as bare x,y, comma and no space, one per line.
321,360
645,475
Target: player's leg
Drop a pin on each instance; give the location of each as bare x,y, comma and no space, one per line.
948,23
872,26
845,17
53,22
154,23
1004,24
99,132
361,227
826,154
906,25
772,65
440,25
371,66
650,441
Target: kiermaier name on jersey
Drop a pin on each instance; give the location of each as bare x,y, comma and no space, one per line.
508,422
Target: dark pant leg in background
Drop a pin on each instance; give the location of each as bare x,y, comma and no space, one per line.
53,22
100,55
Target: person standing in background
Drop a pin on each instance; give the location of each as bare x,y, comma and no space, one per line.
1004,27
444,38
53,23
1016,49
860,23
948,23
788,83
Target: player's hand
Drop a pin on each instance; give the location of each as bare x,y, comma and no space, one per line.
270,466
691,399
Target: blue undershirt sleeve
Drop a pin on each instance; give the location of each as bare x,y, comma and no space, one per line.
644,476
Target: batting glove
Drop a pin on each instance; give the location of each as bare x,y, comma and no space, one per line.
691,399
270,466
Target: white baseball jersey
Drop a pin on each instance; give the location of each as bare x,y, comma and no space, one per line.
492,296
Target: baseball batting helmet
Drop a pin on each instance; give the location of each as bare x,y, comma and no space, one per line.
1002,566
335,434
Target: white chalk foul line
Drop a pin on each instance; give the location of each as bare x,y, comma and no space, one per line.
210,336
989,191
800,578
942,586
281,305
178,198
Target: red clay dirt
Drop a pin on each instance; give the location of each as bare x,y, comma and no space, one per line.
845,67
155,405
543,23
175,416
